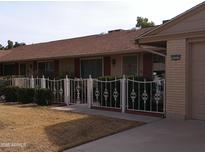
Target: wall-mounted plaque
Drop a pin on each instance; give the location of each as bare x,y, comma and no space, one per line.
176,57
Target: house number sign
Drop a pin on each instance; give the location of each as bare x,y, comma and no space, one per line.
176,57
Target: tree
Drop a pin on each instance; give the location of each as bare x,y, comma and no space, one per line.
10,45
18,44
144,22
1,47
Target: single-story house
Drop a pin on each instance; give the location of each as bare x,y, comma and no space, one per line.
111,54
180,40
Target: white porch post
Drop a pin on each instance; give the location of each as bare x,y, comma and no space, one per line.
43,82
67,90
123,93
32,82
90,91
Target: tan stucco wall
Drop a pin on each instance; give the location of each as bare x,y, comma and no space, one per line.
176,79
192,23
116,70
66,66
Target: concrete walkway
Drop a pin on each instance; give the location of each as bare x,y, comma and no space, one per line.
83,108
157,135
163,135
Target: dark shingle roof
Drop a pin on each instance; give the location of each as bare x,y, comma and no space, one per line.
110,43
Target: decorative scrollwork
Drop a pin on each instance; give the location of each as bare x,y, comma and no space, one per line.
61,91
144,96
157,96
106,94
115,94
78,91
133,95
97,94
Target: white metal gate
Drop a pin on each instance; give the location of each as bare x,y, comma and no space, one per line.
145,96
78,91
106,94
57,88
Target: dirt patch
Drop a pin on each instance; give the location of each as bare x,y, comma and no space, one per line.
43,129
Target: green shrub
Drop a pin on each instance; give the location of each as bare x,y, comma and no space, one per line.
11,93
26,95
43,97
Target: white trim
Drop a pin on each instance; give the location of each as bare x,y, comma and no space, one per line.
153,52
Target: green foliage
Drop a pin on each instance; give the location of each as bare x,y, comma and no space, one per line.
10,44
1,47
144,22
43,97
18,44
11,93
26,95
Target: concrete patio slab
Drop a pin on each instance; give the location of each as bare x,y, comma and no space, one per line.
83,108
162,135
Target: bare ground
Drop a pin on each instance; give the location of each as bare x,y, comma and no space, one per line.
33,128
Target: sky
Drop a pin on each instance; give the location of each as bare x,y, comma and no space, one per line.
43,21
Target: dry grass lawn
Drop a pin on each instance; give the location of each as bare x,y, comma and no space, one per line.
24,128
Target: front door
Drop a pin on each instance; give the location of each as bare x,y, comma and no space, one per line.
91,67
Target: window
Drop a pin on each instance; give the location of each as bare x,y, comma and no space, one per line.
22,69
130,65
91,67
10,69
46,68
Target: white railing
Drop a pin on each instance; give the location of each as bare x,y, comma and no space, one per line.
121,94
107,94
146,96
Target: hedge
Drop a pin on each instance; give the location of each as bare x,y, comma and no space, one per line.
27,95
11,93
43,97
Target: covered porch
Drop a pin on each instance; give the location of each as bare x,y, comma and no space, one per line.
144,63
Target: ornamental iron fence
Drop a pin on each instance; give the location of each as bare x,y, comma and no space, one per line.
122,94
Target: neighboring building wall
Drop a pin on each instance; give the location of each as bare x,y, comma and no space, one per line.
66,66
175,79
192,23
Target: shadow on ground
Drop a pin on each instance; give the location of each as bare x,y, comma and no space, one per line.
72,133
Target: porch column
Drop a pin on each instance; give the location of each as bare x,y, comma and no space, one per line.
16,69
77,67
67,90
147,65
56,68
35,68
107,66
90,92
